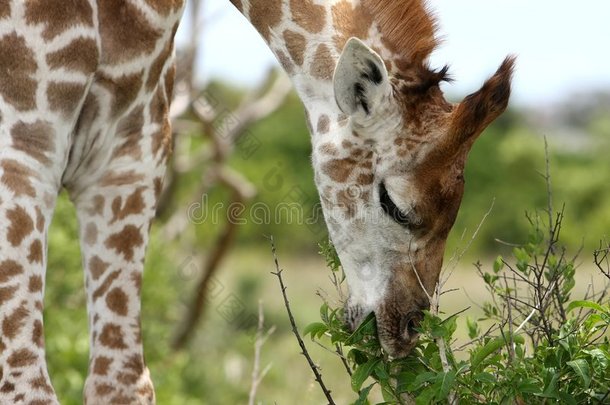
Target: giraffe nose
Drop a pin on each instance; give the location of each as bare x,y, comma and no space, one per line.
409,325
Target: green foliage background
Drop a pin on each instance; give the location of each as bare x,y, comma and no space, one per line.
215,368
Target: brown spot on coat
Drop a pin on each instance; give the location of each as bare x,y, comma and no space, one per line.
285,62
58,15
37,334
308,15
162,138
7,387
323,65
125,90
41,383
22,358
339,169
101,364
35,284
20,225
97,206
117,301
264,15
104,389
9,269
35,255
17,85
295,44
126,241
112,337
80,55
328,149
347,204
133,205
5,9
113,178
90,234
365,179
129,131
102,289
125,31
16,177
154,74
12,324
97,267
36,140
65,97
323,124
7,293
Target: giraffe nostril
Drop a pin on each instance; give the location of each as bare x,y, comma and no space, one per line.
409,325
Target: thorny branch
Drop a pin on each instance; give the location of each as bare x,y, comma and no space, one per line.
312,365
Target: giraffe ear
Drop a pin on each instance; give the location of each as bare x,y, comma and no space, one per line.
480,109
361,80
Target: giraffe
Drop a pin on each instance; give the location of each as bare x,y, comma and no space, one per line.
388,150
84,94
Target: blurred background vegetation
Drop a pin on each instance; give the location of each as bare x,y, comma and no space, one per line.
505,165
215,366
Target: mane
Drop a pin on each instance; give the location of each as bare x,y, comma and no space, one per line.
407,27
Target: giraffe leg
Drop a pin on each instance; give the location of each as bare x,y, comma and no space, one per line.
114,223
27,199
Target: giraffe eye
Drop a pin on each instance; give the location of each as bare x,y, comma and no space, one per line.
392,210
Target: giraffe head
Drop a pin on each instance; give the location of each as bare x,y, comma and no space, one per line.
392,191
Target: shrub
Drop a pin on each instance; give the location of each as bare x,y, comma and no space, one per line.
543,346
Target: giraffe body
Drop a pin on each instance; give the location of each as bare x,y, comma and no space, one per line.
84,94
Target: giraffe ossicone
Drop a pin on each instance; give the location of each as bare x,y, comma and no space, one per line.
85,87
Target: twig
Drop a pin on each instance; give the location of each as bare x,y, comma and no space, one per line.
261,338
440,342
304,352
459,254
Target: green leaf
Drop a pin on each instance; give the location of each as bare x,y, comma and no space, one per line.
600,360
567,399
588,304
528,388
581,368
498,264
550,384
381,372
483,352
444,383
364,394
363,372
315,329
485,378
426,397
421,379
367,327
473,328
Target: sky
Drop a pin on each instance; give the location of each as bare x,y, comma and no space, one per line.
563,47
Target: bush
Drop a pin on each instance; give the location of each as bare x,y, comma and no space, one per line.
542,345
